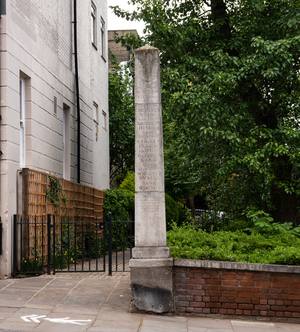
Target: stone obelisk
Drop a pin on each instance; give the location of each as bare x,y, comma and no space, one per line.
151,265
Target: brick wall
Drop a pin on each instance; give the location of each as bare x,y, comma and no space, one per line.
253,294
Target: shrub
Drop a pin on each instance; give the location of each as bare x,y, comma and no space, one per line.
190,243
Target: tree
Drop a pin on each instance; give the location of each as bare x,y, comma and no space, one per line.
230,83
121,120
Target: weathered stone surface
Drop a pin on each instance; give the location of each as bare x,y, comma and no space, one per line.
152,289
151,266
149,162
151,252
236,266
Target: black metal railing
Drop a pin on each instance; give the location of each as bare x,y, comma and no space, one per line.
72,245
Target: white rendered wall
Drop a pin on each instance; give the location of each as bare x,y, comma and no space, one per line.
37,43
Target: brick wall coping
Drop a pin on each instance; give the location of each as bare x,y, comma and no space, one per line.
236,266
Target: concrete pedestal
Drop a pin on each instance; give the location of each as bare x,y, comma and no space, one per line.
151,285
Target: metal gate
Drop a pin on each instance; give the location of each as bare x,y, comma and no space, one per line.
71,245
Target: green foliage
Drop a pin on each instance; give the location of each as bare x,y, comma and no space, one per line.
172,211
230,92
264,224
32,265
55,192
129,182
187,242
121,120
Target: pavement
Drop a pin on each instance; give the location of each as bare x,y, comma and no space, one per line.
97,302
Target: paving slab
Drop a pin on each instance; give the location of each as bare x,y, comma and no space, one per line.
106,302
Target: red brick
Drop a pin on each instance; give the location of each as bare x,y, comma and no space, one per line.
289,280
230,305
255,313
294,309
197,281
222,299
189,287
238,312
206,276
213,305
198,286
190,309
239,300
180,275
198,298
189,298
214,311
238,277
182,309
255,301
262,295
197,270
263,284
230,282
197,292
206,310
182,292
272,279
263,313
206,298
256,290
297,303
222,311
215,276
215,293
180,286
246,306
262,307
206,287
280,279
248,289
229,272
243,294
295,314
181,298
278,285
190,275
197,304
247,312
287,314
214,299
279,314
182,303
198,310
231,294
248,301
294,297
279,302
247,283
213,282
271,302
278,308
214,287
197,275
247,277
255,278
231,300
239,289
271,313
287,302
230,312
230,277
231,288
181,281
263,301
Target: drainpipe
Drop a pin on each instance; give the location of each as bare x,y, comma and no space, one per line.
77,90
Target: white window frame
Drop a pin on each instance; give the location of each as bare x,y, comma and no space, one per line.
94,24
103,39
22,123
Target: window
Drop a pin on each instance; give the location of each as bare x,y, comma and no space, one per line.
95,113
66,142
103,40
93,24
22,122
104,125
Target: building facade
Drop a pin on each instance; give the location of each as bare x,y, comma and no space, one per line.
39,126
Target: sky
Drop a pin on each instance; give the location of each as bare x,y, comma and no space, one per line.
116,23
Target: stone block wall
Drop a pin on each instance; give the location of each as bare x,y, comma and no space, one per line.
253,291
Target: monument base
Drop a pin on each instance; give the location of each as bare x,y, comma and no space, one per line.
151,285
150,252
